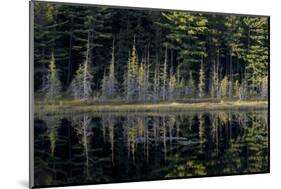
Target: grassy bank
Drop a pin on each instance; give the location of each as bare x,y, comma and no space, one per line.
75,106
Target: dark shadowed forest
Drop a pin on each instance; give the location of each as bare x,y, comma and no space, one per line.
101,55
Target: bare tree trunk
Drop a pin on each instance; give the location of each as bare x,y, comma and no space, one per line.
86,67
231,75
70,54
164,76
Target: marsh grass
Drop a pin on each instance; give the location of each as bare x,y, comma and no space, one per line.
66,106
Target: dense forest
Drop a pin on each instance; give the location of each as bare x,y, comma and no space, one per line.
103,54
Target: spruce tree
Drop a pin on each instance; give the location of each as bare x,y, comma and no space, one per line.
109,82
224,87
201,85
257,50
191,85
132,76
52,86
81,84
164,77
172,87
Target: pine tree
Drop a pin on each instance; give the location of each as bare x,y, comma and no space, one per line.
164,78
111,77
191,85
264,87
147,84
257,50
234,44
215,41
132,76
215,82
224,87
81,84
243,90
104,88
144,77
178,88
201,85
236,89
234,50
156,83
187,33
141,82
47,38
52,86
172,87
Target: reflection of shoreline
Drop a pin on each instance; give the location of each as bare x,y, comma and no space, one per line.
87,148
159,107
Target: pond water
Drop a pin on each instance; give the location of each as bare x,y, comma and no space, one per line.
108,147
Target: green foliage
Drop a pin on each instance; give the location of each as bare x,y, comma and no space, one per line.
133,66
257,51
215,83
232,47
236,88
184,31
172,87
224,87
141,82
163,78
131,81
80,87
109,82
201,85
264,87
191,84
243,90
52,87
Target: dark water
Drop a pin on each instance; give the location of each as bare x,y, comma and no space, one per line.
101,148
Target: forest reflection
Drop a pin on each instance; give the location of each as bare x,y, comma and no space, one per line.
107,147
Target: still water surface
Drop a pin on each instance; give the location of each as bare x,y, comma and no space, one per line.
108,147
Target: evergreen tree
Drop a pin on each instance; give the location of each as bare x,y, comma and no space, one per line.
53,86
109,82
156,84
172,87
257,50
201,85
81,84
215,82
104,88
111,77
236,89
141,82
147,84
243,90
191,85
264,87
187,33
224,87
212,55
164,77
232,36
132,76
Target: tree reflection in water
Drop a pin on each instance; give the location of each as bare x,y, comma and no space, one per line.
110,147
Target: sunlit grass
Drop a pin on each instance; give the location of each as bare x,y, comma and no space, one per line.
77,106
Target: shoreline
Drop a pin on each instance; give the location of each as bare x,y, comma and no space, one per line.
66,107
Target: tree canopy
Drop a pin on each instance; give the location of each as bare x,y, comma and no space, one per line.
104,53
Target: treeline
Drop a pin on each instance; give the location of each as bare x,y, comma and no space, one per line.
105,54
